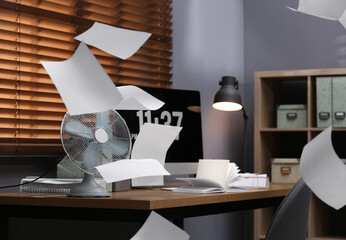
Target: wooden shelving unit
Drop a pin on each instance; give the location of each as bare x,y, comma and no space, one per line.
273,88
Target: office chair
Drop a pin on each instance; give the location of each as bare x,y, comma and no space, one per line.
290,221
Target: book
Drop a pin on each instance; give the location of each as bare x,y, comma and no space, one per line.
51,185
213,176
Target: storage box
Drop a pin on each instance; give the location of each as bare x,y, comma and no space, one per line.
285,170
331,101
292,116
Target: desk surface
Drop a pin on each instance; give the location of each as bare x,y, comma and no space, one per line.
142,199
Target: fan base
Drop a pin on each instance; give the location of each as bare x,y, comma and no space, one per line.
88,188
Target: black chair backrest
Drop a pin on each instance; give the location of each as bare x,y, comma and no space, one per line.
290,221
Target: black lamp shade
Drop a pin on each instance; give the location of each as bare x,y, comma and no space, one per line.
228,97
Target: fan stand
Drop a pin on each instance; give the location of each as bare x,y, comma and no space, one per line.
88,188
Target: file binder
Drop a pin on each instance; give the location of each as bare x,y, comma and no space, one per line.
324,101
339,104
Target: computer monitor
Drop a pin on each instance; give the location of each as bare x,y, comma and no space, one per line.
181,108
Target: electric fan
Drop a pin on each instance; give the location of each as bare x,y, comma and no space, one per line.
91,140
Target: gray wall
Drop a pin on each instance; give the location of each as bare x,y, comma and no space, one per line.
208,44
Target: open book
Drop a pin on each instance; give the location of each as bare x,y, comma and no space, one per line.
213,176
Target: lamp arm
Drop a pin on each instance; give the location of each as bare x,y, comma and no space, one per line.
245,116
236,84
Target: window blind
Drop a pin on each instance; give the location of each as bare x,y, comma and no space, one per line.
32,31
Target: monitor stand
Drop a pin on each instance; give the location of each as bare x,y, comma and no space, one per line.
181,168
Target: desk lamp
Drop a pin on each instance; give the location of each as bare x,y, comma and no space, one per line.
228,99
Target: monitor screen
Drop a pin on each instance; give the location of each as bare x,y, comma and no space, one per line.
181,108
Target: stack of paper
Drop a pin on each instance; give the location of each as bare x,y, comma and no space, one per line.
251,180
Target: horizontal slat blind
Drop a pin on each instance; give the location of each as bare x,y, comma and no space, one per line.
32,31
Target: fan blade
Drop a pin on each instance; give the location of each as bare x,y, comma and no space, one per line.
102,119
91,157
75,146
120,147
79,129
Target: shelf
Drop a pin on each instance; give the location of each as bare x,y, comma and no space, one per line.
299,129
333,129
283,129
274,88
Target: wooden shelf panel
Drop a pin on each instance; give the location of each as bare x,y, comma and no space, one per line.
283,129
301,73
312,130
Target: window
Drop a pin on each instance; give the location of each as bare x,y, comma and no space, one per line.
31,31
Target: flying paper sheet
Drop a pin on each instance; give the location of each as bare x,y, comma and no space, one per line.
153,141
135,98
85,87
323,171
159,228
327,9
342,19
119,42
127,169
82,83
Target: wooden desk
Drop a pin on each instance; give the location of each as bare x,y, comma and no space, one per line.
135,205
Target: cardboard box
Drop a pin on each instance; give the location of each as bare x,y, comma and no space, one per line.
285,170
292,116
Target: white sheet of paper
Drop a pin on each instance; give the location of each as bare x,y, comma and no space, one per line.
323,171
130,168
328,9
342,19
215,169
157,227
119,42
82,83
85,87
135,98
153,141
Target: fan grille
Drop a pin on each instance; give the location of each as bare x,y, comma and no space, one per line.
84,149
